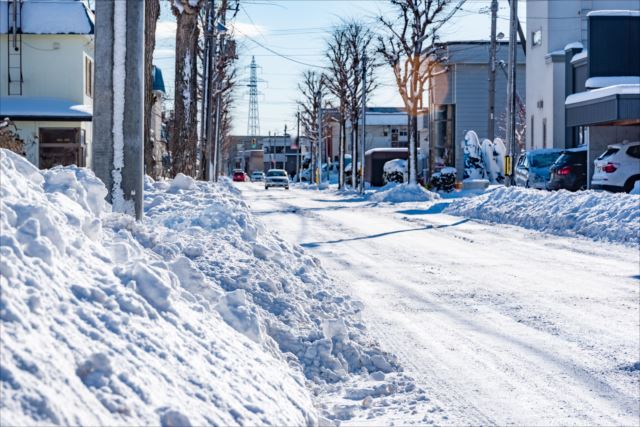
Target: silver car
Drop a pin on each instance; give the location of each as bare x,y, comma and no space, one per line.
276,178
532,170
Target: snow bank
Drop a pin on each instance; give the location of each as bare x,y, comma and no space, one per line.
105,322
198,315
597,215
402,193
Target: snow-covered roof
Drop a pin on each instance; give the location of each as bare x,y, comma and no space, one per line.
31,107
574,45
579,56
627,89
600,82
387,119
614,13
50,17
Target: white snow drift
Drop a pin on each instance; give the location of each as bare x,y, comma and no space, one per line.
592,214
197,316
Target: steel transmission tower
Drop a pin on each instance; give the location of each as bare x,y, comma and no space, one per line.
253,126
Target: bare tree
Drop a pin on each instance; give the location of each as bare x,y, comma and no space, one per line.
312,90
403,48
184,139
337,80
152,13
359,45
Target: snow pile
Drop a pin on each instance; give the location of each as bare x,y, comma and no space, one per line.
273,293
402,193
97,329
597,215
195,316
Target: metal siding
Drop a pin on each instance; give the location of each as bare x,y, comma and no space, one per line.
614,42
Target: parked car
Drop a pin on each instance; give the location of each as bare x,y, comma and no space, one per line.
257,176
618,168
276,178
532,170
569,172
240,176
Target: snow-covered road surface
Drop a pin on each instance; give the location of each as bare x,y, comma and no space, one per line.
500,325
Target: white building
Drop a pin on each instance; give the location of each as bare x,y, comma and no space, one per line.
46,78
556,29
387,127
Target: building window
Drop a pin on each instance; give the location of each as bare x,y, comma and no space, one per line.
403,133
61,146
88,77
385,132
544,133
532,130
536,38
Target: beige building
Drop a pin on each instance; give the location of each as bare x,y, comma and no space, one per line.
46,78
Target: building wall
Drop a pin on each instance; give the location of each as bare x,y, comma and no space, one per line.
29,132
52,66
560,22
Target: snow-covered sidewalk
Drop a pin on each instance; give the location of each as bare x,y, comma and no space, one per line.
197,316
499,324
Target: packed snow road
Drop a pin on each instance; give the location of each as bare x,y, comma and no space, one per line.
500,325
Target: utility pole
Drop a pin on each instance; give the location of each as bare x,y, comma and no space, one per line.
491,133
320,136
364,122
511,89
118,121
205,107
298,160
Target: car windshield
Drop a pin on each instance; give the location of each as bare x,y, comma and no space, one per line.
238,173
276,173
543,160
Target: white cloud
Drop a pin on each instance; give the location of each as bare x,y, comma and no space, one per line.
166,30
242,29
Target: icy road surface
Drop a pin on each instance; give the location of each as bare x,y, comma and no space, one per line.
500,325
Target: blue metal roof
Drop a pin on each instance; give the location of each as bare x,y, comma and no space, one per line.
158,81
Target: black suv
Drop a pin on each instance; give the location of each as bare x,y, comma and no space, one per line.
569,172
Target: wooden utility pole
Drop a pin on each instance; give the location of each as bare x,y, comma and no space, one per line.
118,120
511,89
491,133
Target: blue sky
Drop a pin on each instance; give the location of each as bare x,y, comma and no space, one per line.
299,29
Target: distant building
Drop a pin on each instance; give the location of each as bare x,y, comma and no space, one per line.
387,127
459,99
557,30
46,78
157,131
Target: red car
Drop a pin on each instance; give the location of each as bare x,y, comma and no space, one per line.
239,176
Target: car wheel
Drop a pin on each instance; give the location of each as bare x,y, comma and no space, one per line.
266,187
286,188
628,186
